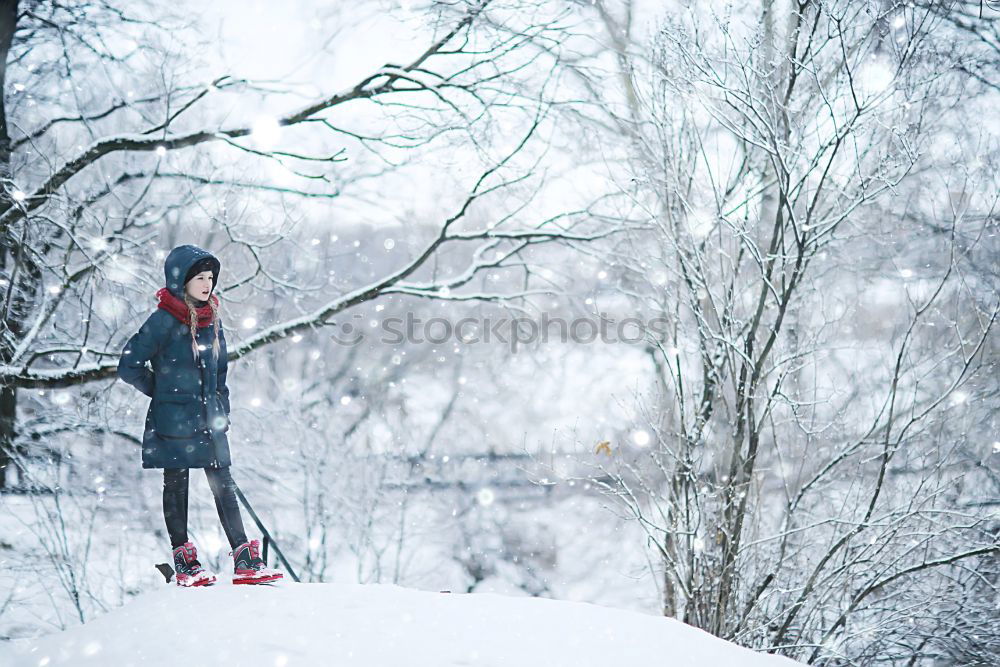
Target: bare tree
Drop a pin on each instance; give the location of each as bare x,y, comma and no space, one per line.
78,222
124,144
799,483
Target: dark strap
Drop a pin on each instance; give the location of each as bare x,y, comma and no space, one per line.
267,536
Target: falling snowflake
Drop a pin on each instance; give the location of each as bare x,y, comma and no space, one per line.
485,496
265,132
640,437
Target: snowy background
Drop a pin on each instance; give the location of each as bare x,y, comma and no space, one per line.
790,210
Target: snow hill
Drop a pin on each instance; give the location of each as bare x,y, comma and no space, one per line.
289,624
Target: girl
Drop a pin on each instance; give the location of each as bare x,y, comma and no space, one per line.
187,419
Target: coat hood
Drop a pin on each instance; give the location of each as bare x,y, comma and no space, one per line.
182,258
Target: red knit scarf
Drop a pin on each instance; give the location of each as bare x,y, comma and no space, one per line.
179,309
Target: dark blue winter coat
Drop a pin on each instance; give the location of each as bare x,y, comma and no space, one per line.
187,419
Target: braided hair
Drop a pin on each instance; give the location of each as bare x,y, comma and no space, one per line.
193,322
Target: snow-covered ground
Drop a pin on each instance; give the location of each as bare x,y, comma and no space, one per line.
291,624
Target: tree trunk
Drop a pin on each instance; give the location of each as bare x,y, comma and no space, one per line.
8,395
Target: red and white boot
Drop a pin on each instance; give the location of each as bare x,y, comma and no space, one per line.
249,567
187,570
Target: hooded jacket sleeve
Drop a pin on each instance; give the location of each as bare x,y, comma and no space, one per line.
223,370
139,349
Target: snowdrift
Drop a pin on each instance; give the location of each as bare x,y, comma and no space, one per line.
289,624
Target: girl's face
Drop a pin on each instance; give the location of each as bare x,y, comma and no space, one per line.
200,286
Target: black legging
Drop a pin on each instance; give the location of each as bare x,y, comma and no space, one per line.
175,504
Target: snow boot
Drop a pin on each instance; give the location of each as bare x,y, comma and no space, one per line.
249,567
187,570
